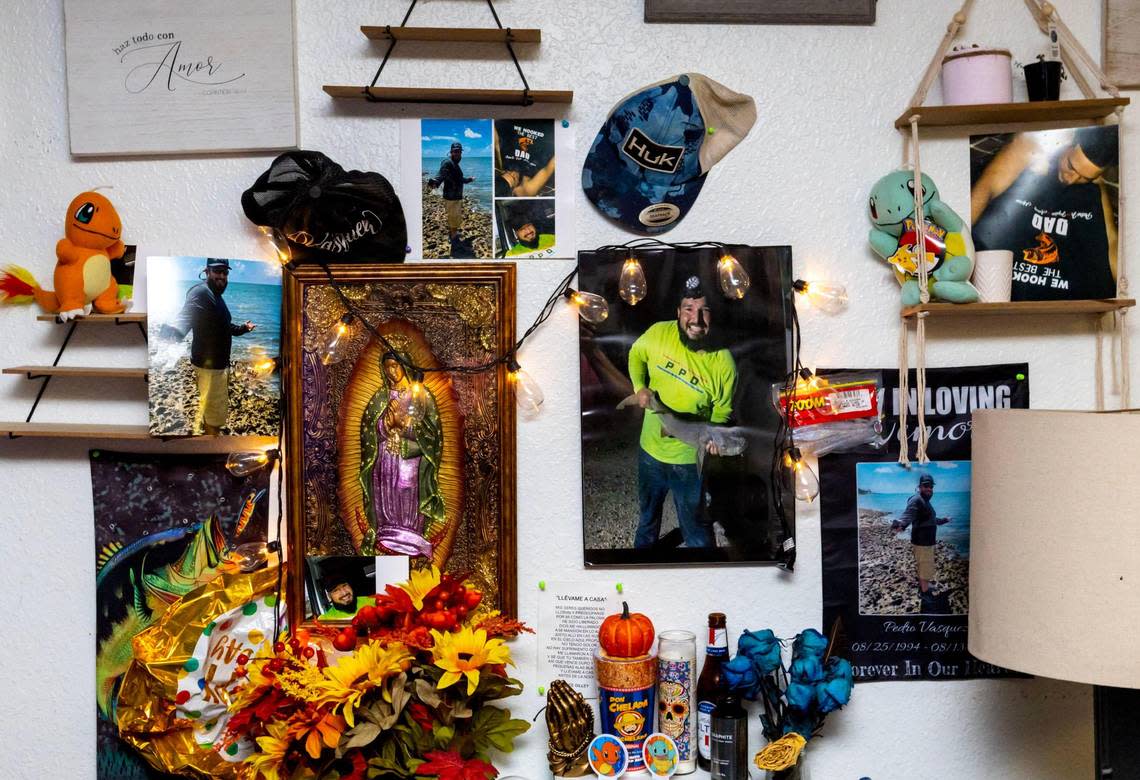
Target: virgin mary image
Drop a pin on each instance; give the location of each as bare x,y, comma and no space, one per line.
400,447
400,450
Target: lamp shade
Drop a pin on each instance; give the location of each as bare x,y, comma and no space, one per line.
1055,544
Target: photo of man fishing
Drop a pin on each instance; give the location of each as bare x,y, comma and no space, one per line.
677,431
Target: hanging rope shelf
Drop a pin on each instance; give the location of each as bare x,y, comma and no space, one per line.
498,34
1092,108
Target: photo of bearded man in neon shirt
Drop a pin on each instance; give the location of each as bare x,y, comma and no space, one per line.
678,423
670,362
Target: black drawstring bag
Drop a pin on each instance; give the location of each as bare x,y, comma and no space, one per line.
328,214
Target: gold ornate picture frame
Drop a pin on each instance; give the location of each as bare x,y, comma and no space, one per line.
441,488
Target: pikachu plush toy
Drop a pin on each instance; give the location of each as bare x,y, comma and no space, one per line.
83,280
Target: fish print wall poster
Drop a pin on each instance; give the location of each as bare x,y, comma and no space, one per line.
163,524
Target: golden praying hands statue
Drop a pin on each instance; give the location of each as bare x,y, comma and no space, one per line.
570,722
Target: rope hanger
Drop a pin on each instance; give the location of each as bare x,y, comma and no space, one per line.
526,99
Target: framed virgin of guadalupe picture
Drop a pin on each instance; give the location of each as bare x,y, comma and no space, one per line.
401,434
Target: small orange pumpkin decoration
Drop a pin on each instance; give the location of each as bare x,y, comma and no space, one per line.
627,635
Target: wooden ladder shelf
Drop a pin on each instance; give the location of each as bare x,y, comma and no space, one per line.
499,34
71,430
1091,108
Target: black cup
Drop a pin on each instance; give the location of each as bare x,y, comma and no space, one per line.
1043,80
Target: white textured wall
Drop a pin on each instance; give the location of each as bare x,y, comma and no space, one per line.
827,97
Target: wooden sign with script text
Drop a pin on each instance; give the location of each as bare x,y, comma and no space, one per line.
167,77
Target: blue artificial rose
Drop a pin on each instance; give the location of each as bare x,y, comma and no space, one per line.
835,691
840,669
808,650
809,644
807,671
799,696
741,678
831,695
763,648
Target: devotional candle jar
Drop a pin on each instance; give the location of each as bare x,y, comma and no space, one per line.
676,694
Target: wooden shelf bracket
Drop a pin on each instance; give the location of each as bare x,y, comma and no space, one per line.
506,35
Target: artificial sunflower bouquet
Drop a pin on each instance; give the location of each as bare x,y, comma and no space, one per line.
407,695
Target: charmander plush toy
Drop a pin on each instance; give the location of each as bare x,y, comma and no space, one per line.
83,280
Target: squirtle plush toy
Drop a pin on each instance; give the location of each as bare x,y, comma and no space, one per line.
949,254
83,280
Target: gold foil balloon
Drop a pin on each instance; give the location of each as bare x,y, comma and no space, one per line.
156,709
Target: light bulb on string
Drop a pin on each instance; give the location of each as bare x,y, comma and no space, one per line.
279,243
591,306
528,395
632,286
334,347
829,297
805,484
734,280
808,382
242,464
263,366
414,401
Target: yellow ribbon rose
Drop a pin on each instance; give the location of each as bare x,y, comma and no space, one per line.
781,754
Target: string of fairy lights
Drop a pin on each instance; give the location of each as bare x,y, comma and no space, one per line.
797,477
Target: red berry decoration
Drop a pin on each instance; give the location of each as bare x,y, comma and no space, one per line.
368,615
243,659
279,647
239,671
308,652
344,641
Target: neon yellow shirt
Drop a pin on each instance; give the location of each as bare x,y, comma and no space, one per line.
336,613
545,241
699,383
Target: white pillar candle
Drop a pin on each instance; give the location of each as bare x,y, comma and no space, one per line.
677,694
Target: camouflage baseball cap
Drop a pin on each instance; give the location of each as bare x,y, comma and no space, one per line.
649,160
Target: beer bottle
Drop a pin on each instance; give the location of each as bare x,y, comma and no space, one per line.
709,686
729,740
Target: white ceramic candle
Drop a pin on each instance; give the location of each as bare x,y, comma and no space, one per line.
993,275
